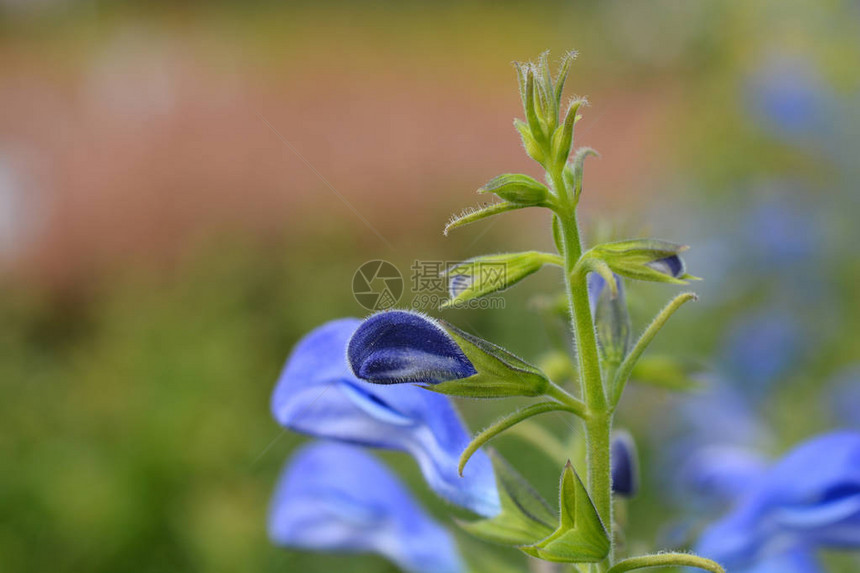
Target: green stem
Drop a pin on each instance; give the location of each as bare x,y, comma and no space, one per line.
667,560
503,424
598,424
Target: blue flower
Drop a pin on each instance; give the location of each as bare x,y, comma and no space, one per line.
334,497
795,560
761,348
318,394
811,498
399,346
845,399
717,475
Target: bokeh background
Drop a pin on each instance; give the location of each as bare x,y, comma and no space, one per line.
188,187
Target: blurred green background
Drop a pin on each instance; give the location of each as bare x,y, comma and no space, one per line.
187,188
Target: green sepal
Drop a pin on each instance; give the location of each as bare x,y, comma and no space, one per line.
562,139
530,143
573,171
487,274
581,536
473,214
518,189
664,372
500,374
561,78
634,258
556,234
612,322
526,517
531,110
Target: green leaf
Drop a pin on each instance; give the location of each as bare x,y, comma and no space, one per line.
477,213
581,536
518,189
525,517
623,372
500,373
487,274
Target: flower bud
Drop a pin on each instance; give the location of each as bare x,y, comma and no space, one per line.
487,274
517,189
611,318
625,464
397,346
644,259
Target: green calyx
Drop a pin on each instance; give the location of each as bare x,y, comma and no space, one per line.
580,536
487,274
501,374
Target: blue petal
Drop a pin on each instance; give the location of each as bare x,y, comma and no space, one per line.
720,474
672,265
318,394
763,347
334,497
458,284
797,559
810,496
398,346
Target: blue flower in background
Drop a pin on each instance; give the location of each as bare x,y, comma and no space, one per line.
845,399
397,346
335,497
318,394
795,560
714,450
761,348
809,499
791,98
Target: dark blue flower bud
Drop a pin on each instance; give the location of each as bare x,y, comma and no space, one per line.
396,346
625,465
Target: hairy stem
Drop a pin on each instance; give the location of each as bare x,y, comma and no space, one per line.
598,424
667,560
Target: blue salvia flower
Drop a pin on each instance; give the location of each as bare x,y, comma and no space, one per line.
318,394
716,475
845,398
797,559
399,346
791,98
337,498
811,498
761,348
